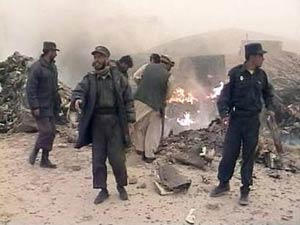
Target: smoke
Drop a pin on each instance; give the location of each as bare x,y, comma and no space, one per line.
77,27
128,27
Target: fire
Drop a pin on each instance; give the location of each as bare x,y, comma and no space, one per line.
216,91
186,121
181,96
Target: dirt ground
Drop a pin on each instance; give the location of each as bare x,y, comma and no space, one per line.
30,195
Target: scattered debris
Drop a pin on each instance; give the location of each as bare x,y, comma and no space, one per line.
272,125
190,218
142,186
194,147
274,174
132,180
62,145
171,180
286,218
205,180
161,190
72,167
211,206
68,133
189,158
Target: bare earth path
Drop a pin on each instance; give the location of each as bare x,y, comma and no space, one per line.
35,196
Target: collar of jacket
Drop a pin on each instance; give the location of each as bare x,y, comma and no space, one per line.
45,63
244,68
104,73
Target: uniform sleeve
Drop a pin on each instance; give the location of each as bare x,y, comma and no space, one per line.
224,100
268,94
32,87
80,91
128,102
58,100
137,76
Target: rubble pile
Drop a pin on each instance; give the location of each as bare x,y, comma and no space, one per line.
267,154
14,113
12,81
199,148
284,70
194,147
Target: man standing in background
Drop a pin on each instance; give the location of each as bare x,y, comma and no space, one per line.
150,102
124,64
44,102
137,76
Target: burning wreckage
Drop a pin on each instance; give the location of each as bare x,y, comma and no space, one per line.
198,147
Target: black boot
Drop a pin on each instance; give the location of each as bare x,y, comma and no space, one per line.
220,190
244,196
101,197
122,193
45,162
33,156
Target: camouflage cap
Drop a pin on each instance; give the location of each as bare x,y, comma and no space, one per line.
49,45
166,59
102,50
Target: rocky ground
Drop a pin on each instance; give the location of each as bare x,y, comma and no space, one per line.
32,195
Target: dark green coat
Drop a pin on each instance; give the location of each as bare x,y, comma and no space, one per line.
152,89
42,88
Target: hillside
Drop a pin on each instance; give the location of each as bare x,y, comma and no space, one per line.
218,42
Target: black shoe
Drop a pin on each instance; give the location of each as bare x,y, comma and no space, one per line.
220,190
122,193
45,162
33,156
244,200
101,197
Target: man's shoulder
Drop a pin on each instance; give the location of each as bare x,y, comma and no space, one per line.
156,68
153,65
262,71
117,74
35,65
89,75
235,70
115,71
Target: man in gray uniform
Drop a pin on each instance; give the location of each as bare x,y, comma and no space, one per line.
44,102
106,104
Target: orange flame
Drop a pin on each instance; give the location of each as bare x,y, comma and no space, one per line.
179,95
